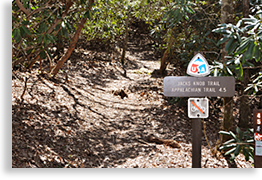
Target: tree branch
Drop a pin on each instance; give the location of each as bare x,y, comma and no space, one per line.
72,44
58,20
20,5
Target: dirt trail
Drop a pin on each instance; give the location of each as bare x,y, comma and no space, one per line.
84,123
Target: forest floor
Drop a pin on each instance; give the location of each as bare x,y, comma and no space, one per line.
100,114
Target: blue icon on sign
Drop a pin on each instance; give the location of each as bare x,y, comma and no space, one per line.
202,68
198,66
199,60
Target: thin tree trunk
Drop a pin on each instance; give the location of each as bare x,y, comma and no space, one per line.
228,113
164,60
226,17
72,44
125,42
244,110
245,8
59,43
59,20
260,104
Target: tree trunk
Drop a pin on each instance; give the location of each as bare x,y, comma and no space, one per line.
164,62
228,113
165,59
60,43
125,42
260,104
260,98
74,40
226,17
245,8
244,110
226,11
71,47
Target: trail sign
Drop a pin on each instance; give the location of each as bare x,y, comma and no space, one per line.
198,86
257,116
198,108
198,66
184,86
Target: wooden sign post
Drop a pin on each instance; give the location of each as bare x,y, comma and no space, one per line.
196,144
198,86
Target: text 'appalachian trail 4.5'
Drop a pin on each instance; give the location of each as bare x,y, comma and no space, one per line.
200,87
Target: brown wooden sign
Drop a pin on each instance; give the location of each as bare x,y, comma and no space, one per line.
183,86
198,86
257,116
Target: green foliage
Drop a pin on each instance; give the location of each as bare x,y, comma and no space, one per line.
174,16
178,11
256,83
107,20
108,17
191,23
36,33
240,142
244,47
166,19
231,67
237,44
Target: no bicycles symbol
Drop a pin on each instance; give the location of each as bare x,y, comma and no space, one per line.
198,108
200,87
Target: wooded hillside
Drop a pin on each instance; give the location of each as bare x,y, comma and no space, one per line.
87,82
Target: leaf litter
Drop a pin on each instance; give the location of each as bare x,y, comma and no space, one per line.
81,122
